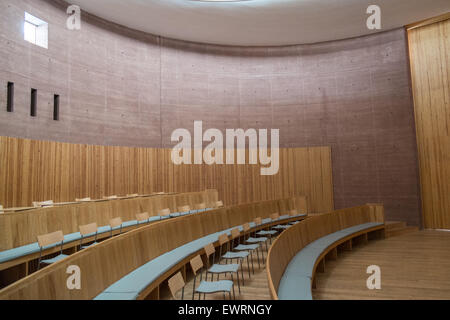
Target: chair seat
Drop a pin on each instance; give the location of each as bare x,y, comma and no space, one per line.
257,240
88,245
55,259
244,247
215,286
265,232
236,255
282,227
224,268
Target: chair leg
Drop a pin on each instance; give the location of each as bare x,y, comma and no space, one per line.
242,273
253,266
237,276
234,293
259,263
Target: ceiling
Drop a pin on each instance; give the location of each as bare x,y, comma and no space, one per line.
260,22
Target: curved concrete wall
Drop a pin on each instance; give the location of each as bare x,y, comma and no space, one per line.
123,87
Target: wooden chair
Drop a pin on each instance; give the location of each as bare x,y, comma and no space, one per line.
219,204
267,232
48,240
293,213
253,240
219,268
110,197
230,255
164,213
236,234
48,203
176,283
280,227
201,206
142,217
133,195
83,200
115,223
207,287
87,231
184,209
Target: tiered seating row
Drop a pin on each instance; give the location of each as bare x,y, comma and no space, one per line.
33,248
134,283
104,264
296,254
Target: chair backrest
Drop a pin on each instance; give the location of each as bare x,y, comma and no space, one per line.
235,233
142,216
184,209
201,206
110,197
274,216
258,221
48,203
196,264
83,200
50,238
223,238
246,227
115,222
164,212
209,250
88,229
133,195
176,283
219,204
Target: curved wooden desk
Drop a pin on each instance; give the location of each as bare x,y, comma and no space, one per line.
302,249
109,261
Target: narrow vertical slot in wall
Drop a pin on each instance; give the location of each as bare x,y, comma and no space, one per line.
10,97
56,107
33,105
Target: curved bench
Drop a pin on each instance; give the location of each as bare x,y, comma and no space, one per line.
299,251
33,248
133,284
295,283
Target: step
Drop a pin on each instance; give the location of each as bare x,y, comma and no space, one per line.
400,231
395,224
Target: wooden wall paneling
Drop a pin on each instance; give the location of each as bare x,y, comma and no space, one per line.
429,48
110,260
40,170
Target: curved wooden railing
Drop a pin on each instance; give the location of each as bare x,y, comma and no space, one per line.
105,263
21,228
294,239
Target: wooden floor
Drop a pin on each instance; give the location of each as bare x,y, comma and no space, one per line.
413,266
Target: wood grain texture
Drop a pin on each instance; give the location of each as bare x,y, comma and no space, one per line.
413,266
292,240
103,264
41,170
21,228
430,72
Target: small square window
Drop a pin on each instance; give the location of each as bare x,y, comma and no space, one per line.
35,31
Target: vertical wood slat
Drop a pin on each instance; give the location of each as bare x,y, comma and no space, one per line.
429,48
40,170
